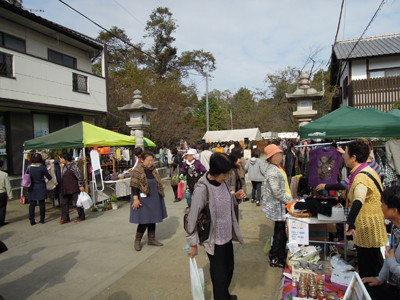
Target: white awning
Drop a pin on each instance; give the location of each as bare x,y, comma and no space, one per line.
253,134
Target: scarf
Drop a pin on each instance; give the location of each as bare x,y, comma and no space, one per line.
359,169
139,179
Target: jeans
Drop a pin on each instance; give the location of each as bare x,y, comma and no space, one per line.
256,187
188,198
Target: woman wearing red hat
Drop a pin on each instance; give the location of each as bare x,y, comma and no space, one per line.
276,195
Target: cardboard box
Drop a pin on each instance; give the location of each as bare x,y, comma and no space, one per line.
318,232
337,215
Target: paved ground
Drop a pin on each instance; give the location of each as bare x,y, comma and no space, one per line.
95,259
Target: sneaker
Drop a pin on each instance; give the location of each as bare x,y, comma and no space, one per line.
78,220
63,221
276,263
258,203
253,201
246,199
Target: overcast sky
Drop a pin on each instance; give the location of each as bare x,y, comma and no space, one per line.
248,38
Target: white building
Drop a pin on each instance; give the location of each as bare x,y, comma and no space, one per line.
367,71
46,80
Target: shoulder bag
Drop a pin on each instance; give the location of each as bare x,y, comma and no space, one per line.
203,222
374,180
26,180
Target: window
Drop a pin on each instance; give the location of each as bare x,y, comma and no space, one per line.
40,125
61,59
6,64
12,42
384,73
79,83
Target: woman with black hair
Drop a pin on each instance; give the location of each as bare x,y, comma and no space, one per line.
175,162
71,185
365,221
37,192
147,200
256,170
213,188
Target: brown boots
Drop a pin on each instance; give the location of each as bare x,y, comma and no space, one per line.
139,236
152,239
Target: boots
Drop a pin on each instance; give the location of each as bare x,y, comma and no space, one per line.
152,239
139,236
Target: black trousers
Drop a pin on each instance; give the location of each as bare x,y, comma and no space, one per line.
370,261
221,270
66,199
386,291
175,189
150,227
279,241
3,207
42,208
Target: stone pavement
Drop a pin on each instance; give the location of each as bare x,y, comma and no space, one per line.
95,259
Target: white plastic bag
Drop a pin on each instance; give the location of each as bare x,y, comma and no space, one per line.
197,280
341,265
84,200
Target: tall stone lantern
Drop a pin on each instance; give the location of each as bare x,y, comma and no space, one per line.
138,119
304,96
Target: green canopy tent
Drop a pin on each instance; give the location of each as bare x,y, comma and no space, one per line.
395,112
81,135
350,122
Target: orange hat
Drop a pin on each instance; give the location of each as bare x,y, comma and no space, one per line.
271,150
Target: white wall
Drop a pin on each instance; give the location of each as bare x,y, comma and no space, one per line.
358,70
37,44
40,81
384,62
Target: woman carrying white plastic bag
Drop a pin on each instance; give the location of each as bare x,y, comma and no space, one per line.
197,280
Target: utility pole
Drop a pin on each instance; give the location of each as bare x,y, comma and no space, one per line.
323,97
207,116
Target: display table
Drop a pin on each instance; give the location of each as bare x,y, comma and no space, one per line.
314,220
330,287
120,187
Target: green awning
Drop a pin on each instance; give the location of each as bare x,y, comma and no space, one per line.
350,122
80,135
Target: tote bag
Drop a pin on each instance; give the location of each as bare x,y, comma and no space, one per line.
26,180
174,176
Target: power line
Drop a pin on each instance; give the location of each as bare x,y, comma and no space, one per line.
122,40
129,13
359,39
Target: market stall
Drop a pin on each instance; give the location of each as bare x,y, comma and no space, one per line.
81,135
319,162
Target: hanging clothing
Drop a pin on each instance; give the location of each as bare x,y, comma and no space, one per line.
324,166
392,148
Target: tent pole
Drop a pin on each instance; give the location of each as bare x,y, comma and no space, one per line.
23,171
85,170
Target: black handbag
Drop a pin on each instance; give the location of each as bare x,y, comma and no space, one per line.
203,222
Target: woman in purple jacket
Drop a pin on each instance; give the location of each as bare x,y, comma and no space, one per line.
193,169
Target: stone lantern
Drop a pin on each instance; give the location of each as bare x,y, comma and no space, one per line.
304,96
138,119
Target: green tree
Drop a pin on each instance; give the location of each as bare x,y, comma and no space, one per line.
218,113
160,28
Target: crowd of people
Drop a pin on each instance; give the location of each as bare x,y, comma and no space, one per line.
216,177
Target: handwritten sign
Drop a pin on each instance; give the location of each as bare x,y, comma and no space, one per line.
298,231
343,278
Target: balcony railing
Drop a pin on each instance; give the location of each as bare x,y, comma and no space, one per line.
379,93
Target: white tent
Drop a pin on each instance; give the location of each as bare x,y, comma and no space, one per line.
253,134
269,135
288,135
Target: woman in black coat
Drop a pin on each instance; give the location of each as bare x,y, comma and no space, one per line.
176,162
37,192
